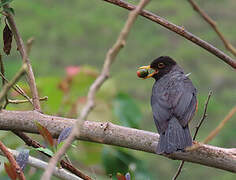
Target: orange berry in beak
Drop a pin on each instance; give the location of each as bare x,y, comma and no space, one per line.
142,73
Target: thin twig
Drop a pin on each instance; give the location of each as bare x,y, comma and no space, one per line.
3,80
110,57
26,60
215,131
8,86
220,126
29,44
12,161
2,69
30,142
212,23
179,170
179,30
20,101
18,89
204,115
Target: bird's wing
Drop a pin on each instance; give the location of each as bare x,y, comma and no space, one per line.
178,100
160,108
186,103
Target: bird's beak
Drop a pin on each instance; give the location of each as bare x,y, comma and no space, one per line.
148,68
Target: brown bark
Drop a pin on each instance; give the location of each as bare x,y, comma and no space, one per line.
108,133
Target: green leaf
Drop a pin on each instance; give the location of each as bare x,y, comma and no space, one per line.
4,2
48,86
45,150
45,133
127,110
117,160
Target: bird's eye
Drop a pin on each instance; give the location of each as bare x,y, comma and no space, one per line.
161,65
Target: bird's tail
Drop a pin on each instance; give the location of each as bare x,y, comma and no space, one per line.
175,138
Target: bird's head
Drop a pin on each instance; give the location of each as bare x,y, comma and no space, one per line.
160,67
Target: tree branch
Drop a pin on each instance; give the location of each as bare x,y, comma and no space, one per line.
204,115
220,126
58,172
12,161
20,101
212,23
26,60
8,86
179,30
108,133
17,89
2,73
110,57
30,142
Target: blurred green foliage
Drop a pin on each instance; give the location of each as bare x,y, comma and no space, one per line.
127,110
79,33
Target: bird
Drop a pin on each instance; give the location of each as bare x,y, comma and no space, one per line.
173,102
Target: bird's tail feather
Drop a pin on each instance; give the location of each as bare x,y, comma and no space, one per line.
175,138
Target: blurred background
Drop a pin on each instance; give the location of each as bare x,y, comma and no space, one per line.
71,40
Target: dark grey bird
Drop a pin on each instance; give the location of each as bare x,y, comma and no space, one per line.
173,102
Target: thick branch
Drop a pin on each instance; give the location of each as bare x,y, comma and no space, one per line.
179,30
108,133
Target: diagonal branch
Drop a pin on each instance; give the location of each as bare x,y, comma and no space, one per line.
110,58
108,133
58,172
8,85
64,164
179,30
17,89
12,161
212,23
220,126
26,60
2,73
